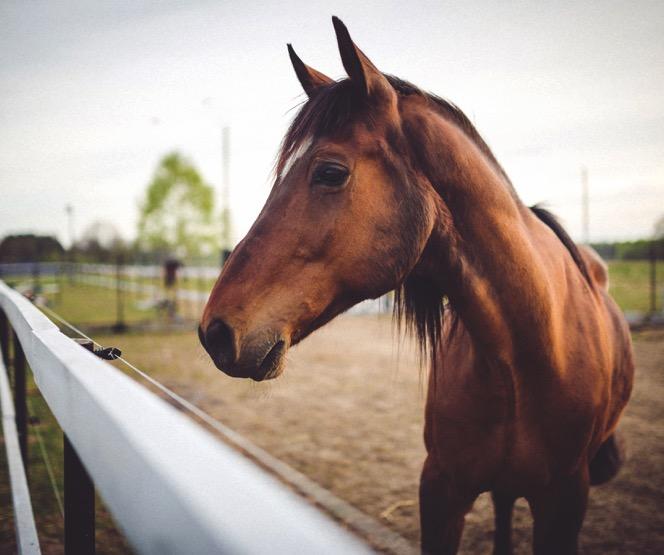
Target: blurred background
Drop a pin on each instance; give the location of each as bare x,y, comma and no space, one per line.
137,147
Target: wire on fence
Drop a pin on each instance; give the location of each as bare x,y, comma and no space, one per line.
47,460
177,398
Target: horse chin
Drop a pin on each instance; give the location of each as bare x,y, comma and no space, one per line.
269,376
272,365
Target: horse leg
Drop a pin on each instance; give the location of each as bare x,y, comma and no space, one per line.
558,512
502,536
442,512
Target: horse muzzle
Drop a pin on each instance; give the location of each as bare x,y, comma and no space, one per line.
259,356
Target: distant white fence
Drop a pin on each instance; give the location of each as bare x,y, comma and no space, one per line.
170,485
130,279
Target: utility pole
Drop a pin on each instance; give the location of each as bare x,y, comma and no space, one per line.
653,278
585,210
70,224
226,239
69,209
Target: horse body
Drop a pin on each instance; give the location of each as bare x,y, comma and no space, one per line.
381,186
524,421
532,378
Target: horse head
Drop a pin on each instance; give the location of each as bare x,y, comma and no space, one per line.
347,219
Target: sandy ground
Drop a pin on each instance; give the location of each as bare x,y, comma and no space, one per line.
348,412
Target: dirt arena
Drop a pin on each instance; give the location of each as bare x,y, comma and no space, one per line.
348,412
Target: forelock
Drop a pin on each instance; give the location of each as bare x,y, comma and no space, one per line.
328,112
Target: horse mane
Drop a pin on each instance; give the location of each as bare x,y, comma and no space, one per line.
417,304
550,220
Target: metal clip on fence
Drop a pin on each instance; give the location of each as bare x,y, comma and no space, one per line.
108,353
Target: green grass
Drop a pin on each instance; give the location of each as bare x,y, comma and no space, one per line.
629,284
90,304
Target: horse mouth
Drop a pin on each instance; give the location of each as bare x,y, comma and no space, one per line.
272,364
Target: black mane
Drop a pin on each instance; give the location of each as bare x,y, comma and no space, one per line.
550,219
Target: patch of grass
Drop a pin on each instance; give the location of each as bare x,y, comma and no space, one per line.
629,284
90,304
93,305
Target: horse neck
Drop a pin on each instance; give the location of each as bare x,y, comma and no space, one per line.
485,250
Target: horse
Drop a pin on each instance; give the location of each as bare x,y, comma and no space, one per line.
380,186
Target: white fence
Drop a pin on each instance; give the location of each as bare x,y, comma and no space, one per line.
145,279
170,485
26,533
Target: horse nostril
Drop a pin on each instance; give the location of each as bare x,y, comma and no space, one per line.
219,341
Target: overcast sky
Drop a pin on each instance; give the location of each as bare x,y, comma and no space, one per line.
92,95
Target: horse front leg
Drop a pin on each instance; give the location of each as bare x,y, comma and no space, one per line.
558,512
503,504
442,511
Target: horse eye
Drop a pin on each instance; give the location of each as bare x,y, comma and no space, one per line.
330,175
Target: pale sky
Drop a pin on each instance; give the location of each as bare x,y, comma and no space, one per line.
93,94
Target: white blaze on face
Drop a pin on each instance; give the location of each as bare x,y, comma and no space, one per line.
300,151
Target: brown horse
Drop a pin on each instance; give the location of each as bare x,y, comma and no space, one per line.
381,186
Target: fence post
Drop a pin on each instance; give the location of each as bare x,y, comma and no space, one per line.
36,279
4,338
59,282
120,325
653,279
20,407
79,498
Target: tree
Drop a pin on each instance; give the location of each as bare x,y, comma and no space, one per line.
177,214
30,248
100,242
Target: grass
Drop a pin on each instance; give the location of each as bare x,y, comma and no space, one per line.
89,305
629,284
97,305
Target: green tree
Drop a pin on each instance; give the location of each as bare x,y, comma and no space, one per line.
30,248
177,214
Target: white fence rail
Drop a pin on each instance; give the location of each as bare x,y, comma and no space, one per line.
170,485
27,542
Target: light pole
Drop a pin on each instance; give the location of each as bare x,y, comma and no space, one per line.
69,209
70,224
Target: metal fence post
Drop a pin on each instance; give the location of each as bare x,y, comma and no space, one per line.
20,407
79,498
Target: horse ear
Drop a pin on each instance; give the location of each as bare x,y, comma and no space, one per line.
310,79
359,68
